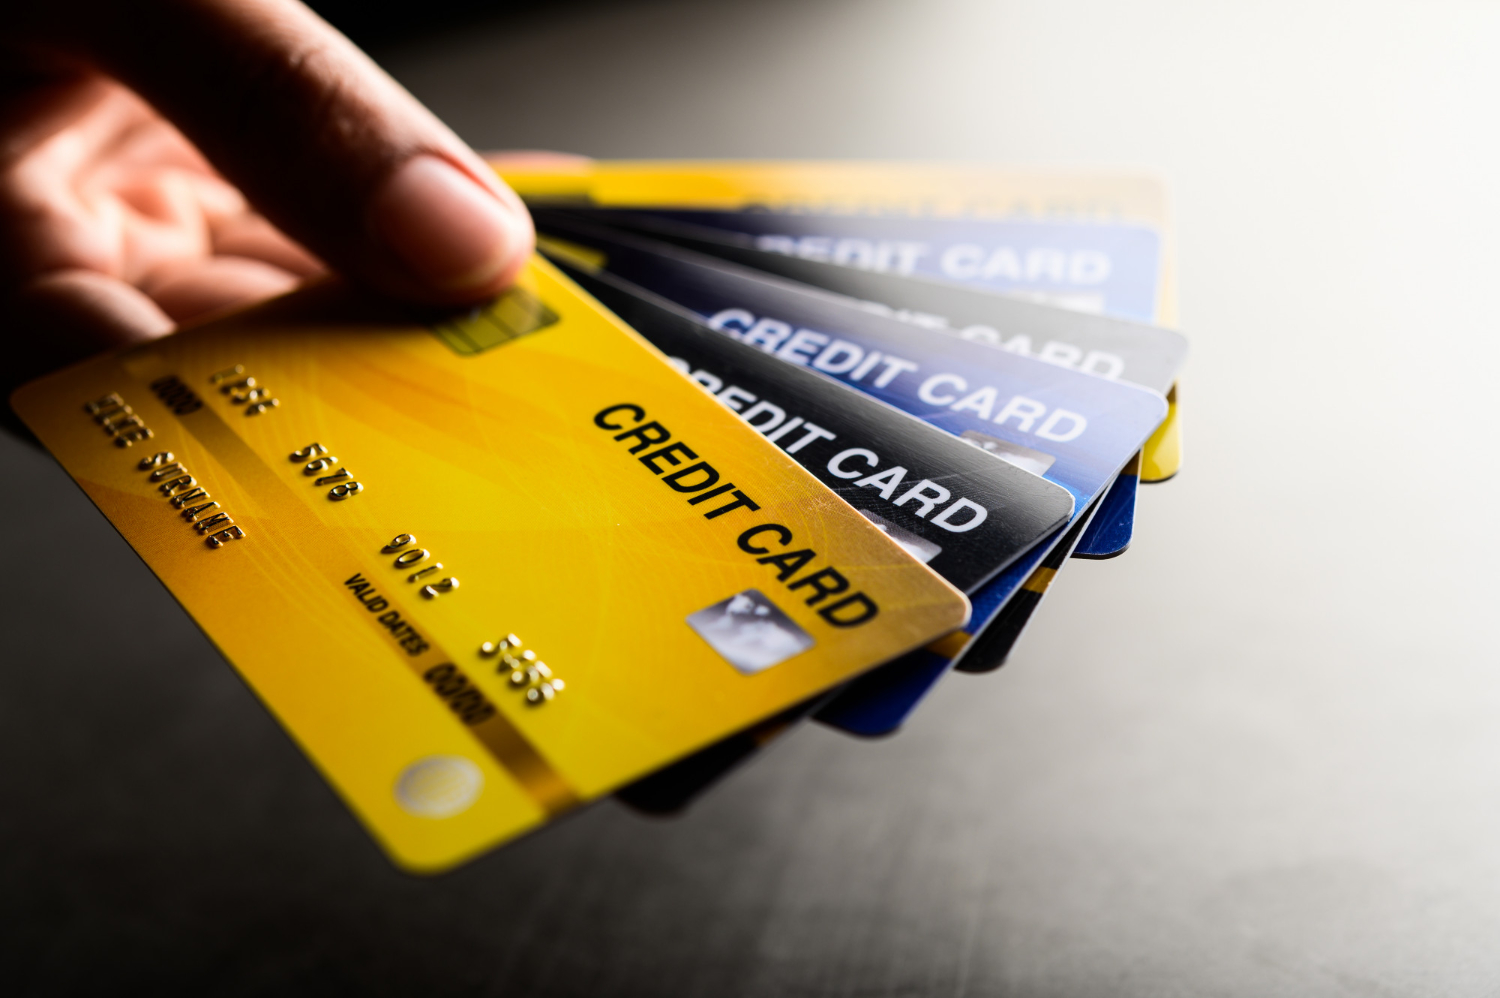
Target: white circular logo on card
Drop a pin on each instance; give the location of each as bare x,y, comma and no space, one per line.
439,786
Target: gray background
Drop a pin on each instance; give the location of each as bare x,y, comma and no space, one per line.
1258,755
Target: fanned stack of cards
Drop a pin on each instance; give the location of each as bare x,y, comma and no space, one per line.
753,443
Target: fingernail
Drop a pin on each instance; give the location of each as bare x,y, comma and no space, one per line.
452,234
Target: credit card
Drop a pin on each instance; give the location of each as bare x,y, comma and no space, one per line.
1118,270
1141,354
824,425
1098,269
1111,269
890,190
1083,267
1075,429
892,193
1108,347
929,190
1145,355
483,569
959,511
956,244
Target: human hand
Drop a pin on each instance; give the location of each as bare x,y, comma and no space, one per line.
163,159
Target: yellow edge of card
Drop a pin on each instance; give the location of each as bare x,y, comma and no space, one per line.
463,564
937,189
1161,458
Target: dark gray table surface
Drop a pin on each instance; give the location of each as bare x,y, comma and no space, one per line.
1257,755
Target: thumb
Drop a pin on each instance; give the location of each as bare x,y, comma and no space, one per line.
320,140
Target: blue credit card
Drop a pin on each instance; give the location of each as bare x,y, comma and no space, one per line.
1104,268
1101,268
1074,429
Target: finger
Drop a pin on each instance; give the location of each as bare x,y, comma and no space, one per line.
65,316
192,289
327,146
85,312
181,197
254,237
159,219
48,220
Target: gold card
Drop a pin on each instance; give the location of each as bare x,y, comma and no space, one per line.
936,190
486,569
836,187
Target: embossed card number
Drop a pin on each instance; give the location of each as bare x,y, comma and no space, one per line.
408,555
321,460
244,390
527,672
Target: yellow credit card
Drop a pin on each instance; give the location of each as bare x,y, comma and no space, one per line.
483,569
939,190
933,190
